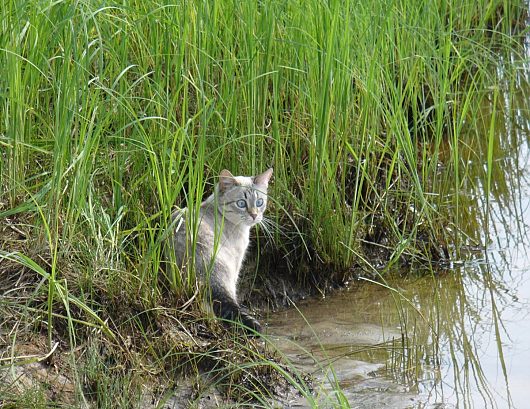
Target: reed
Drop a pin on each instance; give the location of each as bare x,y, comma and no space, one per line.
112,115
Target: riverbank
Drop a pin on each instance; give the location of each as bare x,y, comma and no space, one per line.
371,113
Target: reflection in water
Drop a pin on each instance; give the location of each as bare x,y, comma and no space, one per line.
458,338
347,340
461,339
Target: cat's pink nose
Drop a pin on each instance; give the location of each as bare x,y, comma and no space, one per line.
253,215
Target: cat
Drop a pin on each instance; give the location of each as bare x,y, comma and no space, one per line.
222,239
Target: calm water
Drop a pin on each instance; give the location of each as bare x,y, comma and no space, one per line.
454,338
483,330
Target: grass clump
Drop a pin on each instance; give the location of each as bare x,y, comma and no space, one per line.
112,115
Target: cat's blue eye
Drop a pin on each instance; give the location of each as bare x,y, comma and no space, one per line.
259,202
241,204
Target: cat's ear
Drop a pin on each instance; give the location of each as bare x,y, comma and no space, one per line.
263,179
226,180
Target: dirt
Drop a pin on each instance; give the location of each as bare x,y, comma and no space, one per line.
192,343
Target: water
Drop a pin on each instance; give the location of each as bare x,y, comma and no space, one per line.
457,337
476,354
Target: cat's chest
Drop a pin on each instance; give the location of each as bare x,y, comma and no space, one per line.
235,247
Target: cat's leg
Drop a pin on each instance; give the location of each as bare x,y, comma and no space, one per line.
227,308
249,321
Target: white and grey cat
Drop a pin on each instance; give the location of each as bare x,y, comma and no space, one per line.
222,239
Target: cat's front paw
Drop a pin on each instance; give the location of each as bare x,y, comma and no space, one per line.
250,322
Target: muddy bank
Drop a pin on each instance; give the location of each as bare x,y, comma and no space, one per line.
167,351
273,281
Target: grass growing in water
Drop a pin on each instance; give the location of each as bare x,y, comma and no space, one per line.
111,115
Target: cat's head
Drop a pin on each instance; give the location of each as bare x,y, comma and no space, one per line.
243,199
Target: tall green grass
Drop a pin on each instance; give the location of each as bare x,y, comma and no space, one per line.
111,115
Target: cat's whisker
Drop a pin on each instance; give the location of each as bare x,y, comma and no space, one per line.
274,227
271,229
266,229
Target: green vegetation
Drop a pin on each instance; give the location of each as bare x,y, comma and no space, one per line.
111,115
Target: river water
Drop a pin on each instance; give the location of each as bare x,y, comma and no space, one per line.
452,337
480,358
